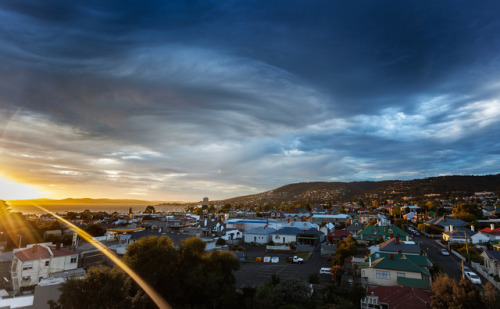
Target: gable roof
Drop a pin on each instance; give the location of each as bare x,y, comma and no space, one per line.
490,231
401,297
493,255
373,230
404,262
261,230
459,233
38,252
447,221
288,231
390,245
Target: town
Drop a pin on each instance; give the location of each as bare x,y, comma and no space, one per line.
381,255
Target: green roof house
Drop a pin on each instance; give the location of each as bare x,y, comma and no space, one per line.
388,269
382,233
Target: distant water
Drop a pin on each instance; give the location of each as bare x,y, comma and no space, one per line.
121,209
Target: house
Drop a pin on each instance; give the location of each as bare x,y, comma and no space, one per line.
396,297
355,227
394,245
338,236
388,269
259,235
491,262
458,235
442,224
40,261
492,232
311,237
285,235
411,216
335,219
382,233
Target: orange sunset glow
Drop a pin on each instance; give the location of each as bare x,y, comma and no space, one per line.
10,190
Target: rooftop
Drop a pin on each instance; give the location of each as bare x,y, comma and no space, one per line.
38,252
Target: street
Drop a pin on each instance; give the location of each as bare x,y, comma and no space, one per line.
451,265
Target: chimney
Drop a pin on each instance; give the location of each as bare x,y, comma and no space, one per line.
444,218
397,239
492,226
451,228
370,259
472,228
399,251
391,256
391,235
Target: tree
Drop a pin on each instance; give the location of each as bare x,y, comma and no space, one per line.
291,291
448,294
102,287
95,229
150,210
491,296
177,273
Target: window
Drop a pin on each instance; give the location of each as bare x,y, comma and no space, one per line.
382,274
26,277
401,275
28,265
73,259
47,263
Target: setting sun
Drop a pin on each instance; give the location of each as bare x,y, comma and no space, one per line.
10,190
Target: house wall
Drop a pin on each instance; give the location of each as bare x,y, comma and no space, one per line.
479,238
36,269
257,238
491,267
371,275
280,239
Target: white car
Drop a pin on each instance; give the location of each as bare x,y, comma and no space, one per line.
467,269
324,271
472,277
444,252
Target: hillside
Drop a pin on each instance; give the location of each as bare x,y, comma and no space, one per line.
324,192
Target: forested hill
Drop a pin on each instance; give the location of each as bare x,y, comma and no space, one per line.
323,192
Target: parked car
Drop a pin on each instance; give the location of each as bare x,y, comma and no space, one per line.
467,269
324,271
295,259
444,252
472,277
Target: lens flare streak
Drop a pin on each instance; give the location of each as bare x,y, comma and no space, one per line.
155,296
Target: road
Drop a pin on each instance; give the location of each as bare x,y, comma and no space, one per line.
450,265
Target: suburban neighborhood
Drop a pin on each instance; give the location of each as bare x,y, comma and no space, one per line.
393,252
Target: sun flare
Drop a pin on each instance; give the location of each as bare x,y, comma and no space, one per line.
10,190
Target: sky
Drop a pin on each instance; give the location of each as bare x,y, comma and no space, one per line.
177,100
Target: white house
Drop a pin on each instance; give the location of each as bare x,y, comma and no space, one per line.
285,235
260,235
40,261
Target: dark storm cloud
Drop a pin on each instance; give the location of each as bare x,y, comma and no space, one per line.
224,98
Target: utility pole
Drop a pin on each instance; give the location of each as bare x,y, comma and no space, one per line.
467,247
20,239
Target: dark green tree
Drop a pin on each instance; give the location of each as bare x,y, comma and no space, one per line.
95,229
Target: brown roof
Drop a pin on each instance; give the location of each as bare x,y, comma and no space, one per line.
401,296
39,253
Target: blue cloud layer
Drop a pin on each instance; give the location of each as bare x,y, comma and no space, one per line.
177,100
